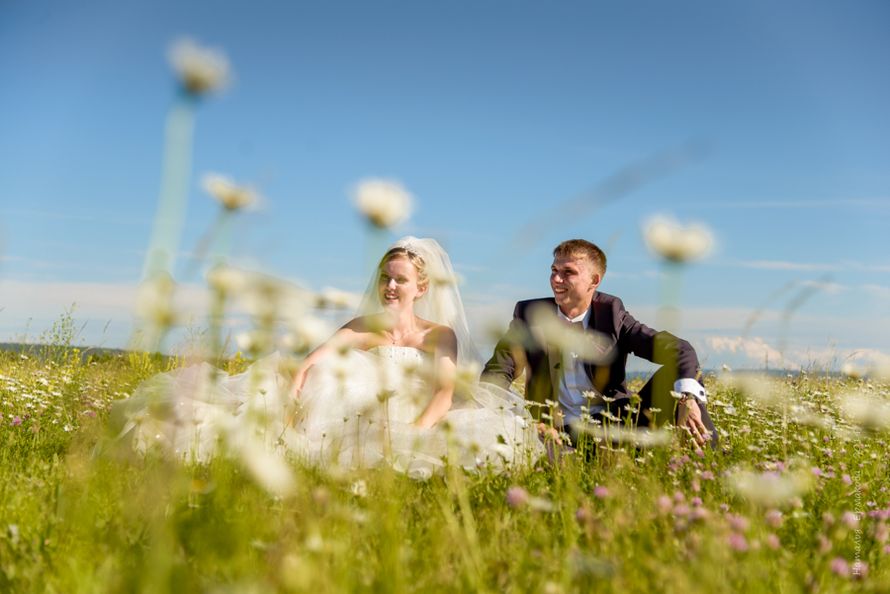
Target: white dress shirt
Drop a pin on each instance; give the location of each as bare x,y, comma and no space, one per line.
574,383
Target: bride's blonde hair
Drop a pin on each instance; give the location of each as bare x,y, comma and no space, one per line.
416,260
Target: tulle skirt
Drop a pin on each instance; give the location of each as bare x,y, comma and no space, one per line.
355,410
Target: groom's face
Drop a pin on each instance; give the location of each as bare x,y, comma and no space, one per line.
573,280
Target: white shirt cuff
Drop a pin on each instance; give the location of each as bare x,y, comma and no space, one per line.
690,386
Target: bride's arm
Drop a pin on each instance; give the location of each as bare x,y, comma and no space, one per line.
444,373
345,336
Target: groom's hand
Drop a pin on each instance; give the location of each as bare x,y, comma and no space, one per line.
690,419
548,432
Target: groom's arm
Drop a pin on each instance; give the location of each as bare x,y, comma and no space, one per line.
663,348
508,359
656,346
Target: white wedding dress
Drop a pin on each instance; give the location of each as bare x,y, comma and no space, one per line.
356,410
360,410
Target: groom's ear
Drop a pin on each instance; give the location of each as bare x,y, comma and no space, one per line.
596,280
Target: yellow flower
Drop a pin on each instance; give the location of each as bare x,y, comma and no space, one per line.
200,69
383,202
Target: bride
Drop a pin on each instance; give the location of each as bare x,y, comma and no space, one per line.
391,386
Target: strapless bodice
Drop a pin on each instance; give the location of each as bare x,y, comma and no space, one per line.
398,354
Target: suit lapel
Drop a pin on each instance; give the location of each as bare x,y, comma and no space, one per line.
590,368
554,362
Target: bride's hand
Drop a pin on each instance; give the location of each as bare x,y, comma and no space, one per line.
297,386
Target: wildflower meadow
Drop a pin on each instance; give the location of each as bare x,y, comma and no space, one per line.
794,498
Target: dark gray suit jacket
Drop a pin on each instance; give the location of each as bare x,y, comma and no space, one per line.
518,350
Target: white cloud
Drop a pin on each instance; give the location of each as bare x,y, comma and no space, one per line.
796,204
784,265
877,290
788,266
754,351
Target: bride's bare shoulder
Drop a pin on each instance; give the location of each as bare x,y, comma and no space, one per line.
362,332
362,324
440,338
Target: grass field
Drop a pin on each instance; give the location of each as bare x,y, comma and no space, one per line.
796,499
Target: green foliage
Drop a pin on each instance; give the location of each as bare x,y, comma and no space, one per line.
80,512
56,342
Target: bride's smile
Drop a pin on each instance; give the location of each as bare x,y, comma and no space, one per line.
399,284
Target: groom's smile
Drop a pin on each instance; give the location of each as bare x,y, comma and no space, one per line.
573,281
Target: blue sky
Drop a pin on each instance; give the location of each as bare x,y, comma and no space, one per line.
493,114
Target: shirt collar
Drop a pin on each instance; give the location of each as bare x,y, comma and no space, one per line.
584,318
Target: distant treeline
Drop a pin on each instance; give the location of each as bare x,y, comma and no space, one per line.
40,349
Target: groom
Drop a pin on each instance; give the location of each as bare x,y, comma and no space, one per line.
599,387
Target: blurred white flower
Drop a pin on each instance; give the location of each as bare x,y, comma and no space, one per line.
853,371
769,489
420,473
305,333
867,411
437,277
676,243
229,194
227,280
268,469
467,376
154,301
254,341
200,69
642,438
548,328
759,388
359,488
383,202
336,299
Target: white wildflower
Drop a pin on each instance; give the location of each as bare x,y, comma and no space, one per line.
643,438
230,195
269,470
154,301
420,473
384,203
336,299
467,376
868,412
769,489
675,242
305,333
359,488
759,388
200,69
227,279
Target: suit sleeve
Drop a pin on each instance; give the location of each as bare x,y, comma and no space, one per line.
508,359
658,347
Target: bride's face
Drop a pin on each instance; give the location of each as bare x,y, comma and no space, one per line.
398,284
